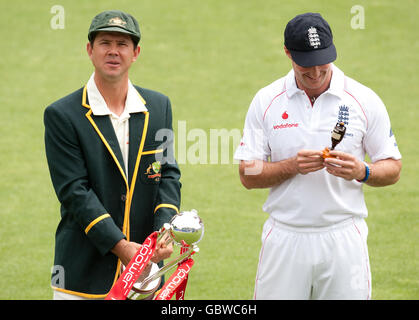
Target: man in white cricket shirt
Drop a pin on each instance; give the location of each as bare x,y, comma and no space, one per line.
314,243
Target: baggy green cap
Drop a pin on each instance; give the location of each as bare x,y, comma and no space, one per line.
116,21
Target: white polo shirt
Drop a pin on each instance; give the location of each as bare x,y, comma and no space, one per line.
281,121
133,103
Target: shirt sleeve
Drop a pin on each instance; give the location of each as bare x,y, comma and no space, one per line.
254,143
380,141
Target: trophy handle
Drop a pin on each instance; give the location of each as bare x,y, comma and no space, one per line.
164,233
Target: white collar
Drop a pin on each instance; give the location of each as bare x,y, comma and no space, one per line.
133,103
336,84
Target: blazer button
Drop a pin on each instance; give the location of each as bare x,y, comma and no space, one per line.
123,198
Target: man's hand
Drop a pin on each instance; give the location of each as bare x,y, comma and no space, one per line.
309,161
382,172
125,250
163,250
345,166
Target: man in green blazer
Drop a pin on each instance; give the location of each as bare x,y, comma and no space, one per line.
116,181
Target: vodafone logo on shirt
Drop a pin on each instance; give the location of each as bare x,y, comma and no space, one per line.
285,116
285,125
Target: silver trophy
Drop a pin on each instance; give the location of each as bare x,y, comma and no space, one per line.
185,229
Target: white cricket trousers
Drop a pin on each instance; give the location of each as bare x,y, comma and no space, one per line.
329,263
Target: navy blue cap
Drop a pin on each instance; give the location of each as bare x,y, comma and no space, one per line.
309,39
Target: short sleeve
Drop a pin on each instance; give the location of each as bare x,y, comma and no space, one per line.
380,141
254,143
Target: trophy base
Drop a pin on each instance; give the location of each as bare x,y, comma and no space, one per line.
140,292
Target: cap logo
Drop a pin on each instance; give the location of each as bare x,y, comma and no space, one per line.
116,22
313,38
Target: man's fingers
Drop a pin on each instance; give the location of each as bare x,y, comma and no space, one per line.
162,253
340,154
309,161
309,153
310,168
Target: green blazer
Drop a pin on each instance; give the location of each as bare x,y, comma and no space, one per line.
99,204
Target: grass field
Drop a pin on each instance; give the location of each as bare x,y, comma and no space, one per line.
210,57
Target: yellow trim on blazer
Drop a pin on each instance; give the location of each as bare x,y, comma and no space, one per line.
166,205
89,117
81,294
137,164
83,99
153,151
91,224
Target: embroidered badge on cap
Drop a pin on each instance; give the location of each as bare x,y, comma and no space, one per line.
116,22
313,37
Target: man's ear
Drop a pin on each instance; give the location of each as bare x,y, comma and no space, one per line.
89,49
136,53
287,52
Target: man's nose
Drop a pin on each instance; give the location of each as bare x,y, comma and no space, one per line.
113,49
315,71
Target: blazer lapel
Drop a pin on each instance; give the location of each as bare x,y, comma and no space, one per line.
104,125
104,128
136,131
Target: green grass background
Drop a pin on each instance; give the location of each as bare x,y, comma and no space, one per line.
210,57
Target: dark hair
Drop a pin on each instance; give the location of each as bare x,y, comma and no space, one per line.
94,34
